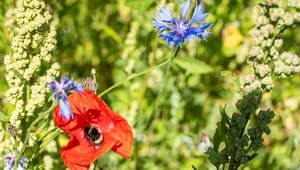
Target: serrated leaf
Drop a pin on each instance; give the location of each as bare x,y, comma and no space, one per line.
221,133
214,157
224,116
217,137
252,156
220,136
193,65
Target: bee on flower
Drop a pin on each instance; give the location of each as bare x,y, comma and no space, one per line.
93,127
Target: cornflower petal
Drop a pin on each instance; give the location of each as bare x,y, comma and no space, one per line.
60,90
176,31
165,14
199,32
160,25
171,38
22,165
199,14
184,9
78,87
65,110
66,83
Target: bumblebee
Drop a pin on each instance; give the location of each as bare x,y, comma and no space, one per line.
93,136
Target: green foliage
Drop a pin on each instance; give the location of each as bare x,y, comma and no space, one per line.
241,138
192,65
167,107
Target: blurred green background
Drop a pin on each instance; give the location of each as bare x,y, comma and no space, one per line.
169,110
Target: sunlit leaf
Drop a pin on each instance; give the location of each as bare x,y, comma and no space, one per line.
109,31
192,65
3,117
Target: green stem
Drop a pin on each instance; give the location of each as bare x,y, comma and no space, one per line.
35,122
29,131
53,135
95,164
135,75
176,53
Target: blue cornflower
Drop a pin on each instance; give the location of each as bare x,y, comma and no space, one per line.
181,30
11,159
60,93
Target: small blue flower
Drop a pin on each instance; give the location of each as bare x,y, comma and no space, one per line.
181,30
11,163
60,93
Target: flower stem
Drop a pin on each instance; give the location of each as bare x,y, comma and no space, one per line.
135,75
42,116
176,53
95,164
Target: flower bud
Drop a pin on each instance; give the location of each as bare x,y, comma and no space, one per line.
288,18
278,43
267,83
267,30
279,67
262,70
254,32
297,17
261,20
256,52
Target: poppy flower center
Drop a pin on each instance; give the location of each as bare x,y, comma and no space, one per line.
93,135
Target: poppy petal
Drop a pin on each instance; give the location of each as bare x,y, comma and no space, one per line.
83,153
91,111
121,132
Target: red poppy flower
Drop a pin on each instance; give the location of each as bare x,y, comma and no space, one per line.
94,130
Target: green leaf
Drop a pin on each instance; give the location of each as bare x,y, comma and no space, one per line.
214,157
221,134
109,31
252,156
3,117
49,137
192,65
218,136
18,74
140,5
225,117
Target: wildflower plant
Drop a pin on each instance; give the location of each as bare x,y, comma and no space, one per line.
32,44
242,132
267,59
93,128
11,161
